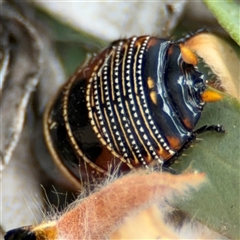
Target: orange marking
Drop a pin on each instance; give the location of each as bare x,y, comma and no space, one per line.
164,154
153,96
152,42
188,123
105,158
150,83
170,50
174,142
188,56
46,231
211,96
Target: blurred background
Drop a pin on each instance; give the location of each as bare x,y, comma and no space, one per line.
42,44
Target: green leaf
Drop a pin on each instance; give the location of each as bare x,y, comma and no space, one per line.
218,155
228,16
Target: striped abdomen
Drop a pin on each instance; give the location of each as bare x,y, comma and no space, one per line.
134,104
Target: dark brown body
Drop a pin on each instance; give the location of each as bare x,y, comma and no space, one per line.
134,104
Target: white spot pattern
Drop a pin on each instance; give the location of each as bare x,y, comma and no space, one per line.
122,134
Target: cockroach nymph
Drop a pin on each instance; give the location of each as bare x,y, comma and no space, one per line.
134,104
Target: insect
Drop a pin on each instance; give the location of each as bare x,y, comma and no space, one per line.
134,104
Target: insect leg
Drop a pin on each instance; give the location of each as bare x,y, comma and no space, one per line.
205,128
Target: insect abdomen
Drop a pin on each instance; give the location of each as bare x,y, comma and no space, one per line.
136,103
